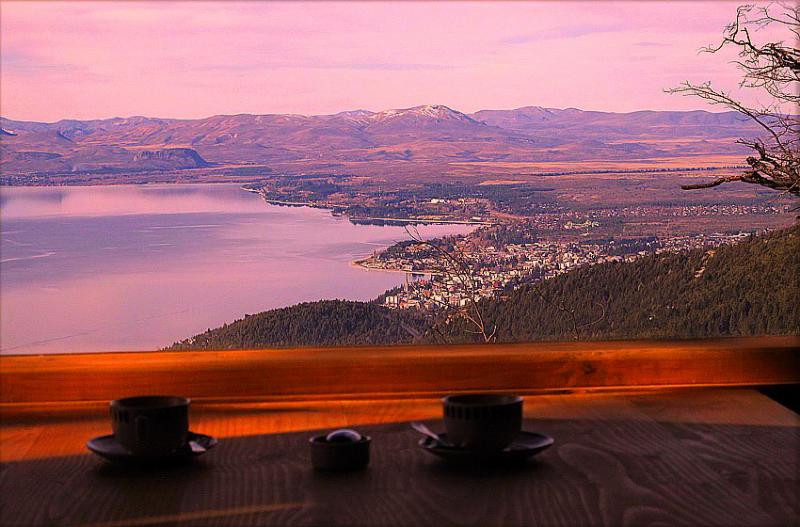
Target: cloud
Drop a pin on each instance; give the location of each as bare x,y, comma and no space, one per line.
387,66
244,67
647,44
32,66
565,32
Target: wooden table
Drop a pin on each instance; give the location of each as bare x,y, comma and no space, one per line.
667,457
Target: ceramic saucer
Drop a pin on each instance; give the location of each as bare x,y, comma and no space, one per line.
525,446
108,448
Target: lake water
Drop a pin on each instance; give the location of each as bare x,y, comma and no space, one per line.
86,269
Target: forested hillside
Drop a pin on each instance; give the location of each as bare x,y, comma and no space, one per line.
751,288
323,323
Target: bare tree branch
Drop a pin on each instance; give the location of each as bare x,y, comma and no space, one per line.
773,67
457,268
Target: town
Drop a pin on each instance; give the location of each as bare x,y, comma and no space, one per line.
447,273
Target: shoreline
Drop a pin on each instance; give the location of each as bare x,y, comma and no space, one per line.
355,220
358,264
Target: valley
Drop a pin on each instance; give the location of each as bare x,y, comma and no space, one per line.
492,164
540,192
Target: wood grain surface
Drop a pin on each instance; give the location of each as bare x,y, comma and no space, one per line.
400,370
667,457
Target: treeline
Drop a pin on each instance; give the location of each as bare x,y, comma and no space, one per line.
323,323
751,288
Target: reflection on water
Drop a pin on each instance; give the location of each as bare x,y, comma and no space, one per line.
137,267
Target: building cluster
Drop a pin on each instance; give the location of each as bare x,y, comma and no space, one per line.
689,210
697,241
591,219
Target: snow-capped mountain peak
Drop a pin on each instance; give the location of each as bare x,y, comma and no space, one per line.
438,112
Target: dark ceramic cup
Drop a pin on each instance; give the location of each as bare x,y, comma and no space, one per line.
482,421
151,426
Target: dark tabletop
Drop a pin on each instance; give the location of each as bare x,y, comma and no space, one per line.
608,467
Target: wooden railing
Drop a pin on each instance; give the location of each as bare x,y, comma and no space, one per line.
399,371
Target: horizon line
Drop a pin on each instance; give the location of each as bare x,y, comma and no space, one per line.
237,114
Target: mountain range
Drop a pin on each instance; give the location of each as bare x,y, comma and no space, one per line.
418,135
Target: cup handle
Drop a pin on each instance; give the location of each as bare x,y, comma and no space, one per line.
141,428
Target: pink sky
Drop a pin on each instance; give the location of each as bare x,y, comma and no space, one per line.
195,59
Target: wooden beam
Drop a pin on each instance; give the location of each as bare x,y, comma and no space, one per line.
402,370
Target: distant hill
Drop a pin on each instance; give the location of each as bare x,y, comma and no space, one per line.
433,134
323,323
642,124
751,288
169,158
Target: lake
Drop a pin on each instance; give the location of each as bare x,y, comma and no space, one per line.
120,268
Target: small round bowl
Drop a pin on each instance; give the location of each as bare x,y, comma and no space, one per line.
339,456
